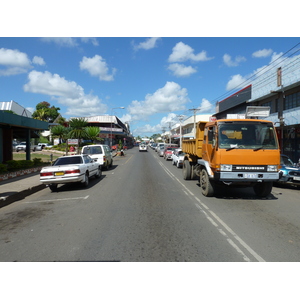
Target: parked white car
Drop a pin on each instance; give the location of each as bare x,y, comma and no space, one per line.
22,147
69,169
45,145
100,152
177,158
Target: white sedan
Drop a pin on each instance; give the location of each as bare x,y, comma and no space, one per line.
68,169
177,158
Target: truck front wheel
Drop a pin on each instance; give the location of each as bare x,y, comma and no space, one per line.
206,185
187,170
263,189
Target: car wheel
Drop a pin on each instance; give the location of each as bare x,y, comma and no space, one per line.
98,173
86,180
53,187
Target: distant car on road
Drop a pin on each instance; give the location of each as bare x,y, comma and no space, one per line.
290,172
69,169
142,147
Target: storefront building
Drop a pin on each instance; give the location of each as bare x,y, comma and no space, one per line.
278,88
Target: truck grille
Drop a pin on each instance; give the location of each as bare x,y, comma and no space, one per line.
243,168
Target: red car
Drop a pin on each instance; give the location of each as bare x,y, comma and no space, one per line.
168,152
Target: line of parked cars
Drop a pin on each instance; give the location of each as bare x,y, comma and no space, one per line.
169,152
78,168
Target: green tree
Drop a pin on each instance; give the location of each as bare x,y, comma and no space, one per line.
92,133
78,131
62,133
44,112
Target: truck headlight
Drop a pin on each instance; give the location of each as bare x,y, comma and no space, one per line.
272,168
226,168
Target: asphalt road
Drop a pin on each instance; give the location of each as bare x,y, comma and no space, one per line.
142,210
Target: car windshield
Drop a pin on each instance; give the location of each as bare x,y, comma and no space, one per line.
247,135
68,160
284,160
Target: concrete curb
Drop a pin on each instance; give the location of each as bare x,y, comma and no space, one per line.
6,200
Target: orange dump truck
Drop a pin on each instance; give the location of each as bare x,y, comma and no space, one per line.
236,152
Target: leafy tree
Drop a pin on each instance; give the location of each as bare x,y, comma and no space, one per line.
92,133
78,131
44,112
62,133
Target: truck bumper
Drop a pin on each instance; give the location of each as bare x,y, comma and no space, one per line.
244,176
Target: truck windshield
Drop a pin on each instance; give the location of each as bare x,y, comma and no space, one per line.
246,135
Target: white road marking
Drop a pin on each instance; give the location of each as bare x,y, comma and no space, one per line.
53,200
215,220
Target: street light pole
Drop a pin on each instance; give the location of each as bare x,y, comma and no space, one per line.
111,123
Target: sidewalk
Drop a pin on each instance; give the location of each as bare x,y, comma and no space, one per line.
18,188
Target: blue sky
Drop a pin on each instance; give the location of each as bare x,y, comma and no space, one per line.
158,61
155,79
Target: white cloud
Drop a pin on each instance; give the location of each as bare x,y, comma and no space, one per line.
169,98
262,53
92,40
67,93
148,44
233,63
14,62
148,129
69,41
234,82
38,61
181,70
97,67
182,52
206,106
61,41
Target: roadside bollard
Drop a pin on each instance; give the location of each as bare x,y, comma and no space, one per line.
51,158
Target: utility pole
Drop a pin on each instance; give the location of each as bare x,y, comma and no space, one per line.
163,129
180,118
195,110
170,123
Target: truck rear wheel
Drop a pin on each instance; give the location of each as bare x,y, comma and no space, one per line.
263,189
187,170
207,187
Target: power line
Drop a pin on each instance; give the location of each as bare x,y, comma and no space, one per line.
268,67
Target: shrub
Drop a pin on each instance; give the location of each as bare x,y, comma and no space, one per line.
13,164
37,161
25,164
3,168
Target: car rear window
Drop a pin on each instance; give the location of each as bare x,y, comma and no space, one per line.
92,150
68,161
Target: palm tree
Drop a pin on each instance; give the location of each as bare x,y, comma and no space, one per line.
78,130
93,133
41,114
62,133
